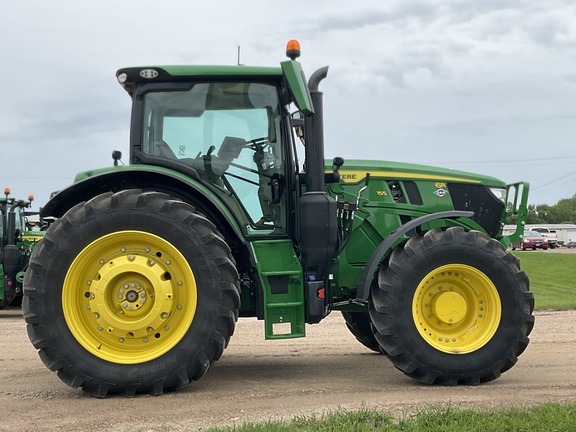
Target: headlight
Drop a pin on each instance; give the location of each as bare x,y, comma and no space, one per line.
499,193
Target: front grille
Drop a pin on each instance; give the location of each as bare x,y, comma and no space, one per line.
488,210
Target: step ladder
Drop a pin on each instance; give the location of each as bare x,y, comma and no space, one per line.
281,277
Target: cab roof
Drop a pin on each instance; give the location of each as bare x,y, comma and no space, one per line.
131,77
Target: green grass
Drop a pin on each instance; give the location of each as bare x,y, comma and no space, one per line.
548,417
552,278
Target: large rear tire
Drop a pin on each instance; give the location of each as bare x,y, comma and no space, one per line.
452,307
360,326
131,293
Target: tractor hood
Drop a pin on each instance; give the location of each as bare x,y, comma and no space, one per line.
354,171
421,188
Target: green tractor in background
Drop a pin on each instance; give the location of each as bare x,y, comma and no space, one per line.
137,286
18,237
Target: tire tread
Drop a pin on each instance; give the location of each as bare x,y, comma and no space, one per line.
383,313
226,296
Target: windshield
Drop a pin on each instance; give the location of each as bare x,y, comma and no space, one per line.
19,219
229,132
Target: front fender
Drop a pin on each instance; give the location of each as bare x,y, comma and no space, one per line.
380,252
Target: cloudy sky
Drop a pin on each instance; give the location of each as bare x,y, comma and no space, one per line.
479,85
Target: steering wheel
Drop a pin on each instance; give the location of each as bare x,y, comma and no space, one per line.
258,143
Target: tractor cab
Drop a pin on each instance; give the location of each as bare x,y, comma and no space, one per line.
229,134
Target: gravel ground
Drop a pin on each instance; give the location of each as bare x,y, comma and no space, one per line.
258,380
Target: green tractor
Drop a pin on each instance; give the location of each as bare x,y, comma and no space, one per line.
18,237
137,286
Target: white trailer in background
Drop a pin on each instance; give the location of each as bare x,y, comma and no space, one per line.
564,236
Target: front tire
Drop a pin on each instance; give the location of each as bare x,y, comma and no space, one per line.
131,293
452,307
360,326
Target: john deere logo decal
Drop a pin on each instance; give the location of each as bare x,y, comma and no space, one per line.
441,192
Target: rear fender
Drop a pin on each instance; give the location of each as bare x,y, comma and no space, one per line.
146,179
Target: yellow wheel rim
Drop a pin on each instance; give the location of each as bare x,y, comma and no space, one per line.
129,297
456,309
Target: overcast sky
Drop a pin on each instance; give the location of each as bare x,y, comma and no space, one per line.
487,86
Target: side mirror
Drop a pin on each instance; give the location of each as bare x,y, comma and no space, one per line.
116,156
337,162
297,122
334,176
298,125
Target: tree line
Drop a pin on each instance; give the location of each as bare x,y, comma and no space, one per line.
563,212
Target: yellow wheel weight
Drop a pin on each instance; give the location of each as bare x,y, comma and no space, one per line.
456,309
129,297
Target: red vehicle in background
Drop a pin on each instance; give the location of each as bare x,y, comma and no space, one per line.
531,240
